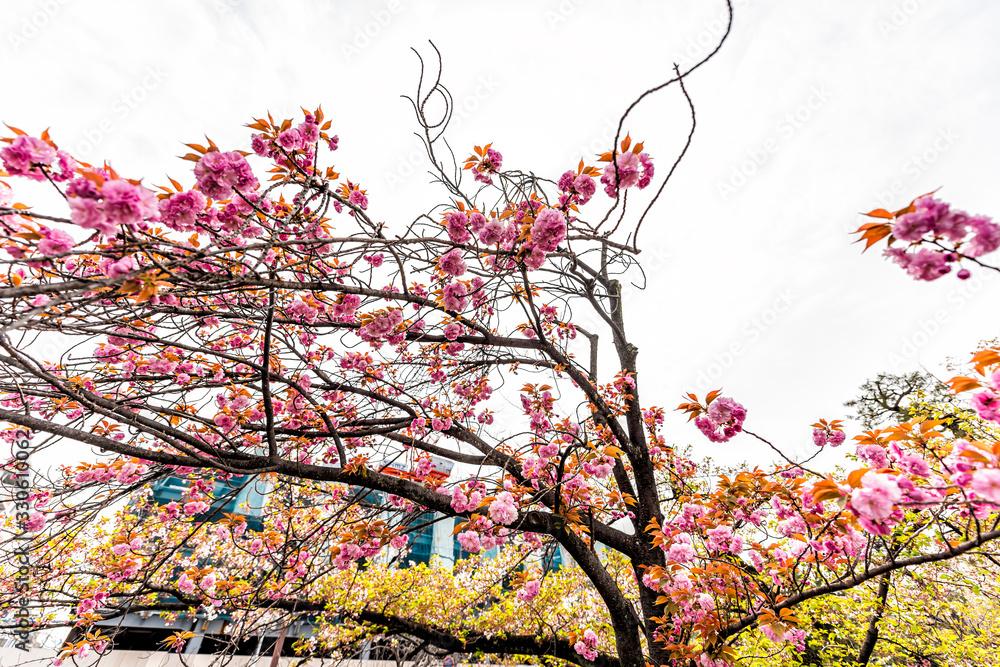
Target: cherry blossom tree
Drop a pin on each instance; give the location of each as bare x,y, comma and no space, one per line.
930,616
933,615
258,323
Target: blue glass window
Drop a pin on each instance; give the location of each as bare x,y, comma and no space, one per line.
239,494
553,561
422,538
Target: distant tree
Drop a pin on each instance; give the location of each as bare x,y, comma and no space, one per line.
890,398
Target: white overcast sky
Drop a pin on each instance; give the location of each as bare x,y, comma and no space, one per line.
812,112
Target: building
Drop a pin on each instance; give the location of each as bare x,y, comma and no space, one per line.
432,540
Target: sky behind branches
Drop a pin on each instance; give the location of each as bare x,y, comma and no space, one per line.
812,112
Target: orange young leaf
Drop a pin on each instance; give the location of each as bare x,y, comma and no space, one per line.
986,358
879,213
854,479
962,383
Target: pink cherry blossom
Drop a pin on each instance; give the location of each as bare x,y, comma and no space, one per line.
503,510
921,264
358,198
35,522
987,404
927,212
986,237
681,551
470,541
126,203
455,296
218,174
185,584
548,230
119,267
587,646
488,165
54,241
875,499
382,325
291,139
723,419
530,590
194,507
26,156
88,214
986,484
118,203
722,539
180,211
578,188
456,224
491,232
632,171
938,236
832,437
452,263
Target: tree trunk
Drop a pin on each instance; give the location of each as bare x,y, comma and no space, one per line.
279,644
628,646
871,637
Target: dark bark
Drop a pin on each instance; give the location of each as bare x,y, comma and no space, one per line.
871,637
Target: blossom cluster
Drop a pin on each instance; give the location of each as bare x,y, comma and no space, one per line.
901,477
586,646
481,534
484,162
828,433
224,202
106,204
576,187
36,158
628,170
722,420
630,167
937,237
292,147
220,174
530,231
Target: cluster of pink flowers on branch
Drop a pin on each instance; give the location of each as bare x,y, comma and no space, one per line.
828,434
577,187
719,418
484,162
180,210
914,466
36,158
226,202
586,646
529,232
102,201
629,167
291,146
937,237
219,175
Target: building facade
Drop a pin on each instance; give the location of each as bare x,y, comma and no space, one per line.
431,541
